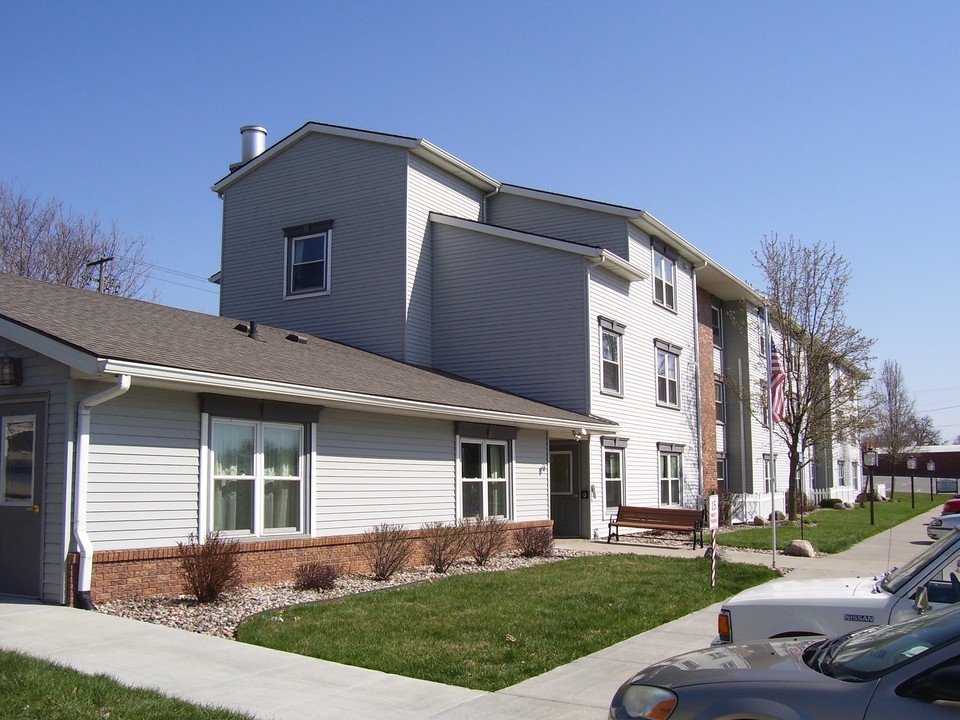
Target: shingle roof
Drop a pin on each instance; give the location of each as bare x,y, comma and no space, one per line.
114,328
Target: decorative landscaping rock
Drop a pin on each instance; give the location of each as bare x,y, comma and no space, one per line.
799,548
759,521
721,554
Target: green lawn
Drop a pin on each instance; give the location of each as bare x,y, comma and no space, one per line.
488,631
832,531
32,689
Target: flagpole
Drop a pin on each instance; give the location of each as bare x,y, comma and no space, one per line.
773,464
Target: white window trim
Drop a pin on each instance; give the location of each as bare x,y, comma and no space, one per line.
603,361
678,480
607,508
717,330
676,356
288,293
511,448
666,260
207,479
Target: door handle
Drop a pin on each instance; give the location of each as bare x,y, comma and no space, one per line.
34,509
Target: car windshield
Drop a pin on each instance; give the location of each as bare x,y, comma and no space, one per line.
898,577
869,653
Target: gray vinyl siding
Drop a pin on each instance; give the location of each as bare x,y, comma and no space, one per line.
144,469
510,314
44,379
373,469
559,221
531,491
430,190
361,187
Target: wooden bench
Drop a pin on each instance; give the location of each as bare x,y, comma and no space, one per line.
667,518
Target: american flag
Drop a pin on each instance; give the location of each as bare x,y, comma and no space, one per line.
777,379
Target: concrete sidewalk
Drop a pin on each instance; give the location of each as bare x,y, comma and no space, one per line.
271,684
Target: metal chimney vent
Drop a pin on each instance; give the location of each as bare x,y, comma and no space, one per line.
254,139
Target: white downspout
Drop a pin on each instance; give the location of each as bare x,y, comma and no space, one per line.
85,575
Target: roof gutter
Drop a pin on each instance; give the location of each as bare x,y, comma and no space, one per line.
85,575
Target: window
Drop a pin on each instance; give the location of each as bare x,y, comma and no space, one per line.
720,391
664,279
483,478
611,354
856,475
841,475
716,320
768,472
308,259
670,473
668,388
722,474
258,477
17,459
612,480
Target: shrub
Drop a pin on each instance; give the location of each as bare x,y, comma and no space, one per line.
209,569
534,541
831,503
487,537
444,544
316,576
387,549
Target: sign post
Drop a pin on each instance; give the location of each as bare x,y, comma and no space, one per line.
714,506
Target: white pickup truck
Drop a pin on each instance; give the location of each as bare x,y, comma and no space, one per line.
803,608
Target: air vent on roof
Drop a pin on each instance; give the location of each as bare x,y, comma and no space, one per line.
250,329
293,337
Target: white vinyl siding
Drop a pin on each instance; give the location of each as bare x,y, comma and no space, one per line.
144,469
429,190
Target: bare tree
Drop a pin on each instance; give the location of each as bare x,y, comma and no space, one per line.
894,410
824,358
922,431
46,241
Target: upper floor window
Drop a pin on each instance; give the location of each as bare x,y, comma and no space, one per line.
611,356
664,279
720,391
308,259
716,321
668,374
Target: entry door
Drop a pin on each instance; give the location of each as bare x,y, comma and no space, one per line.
564,494
22,443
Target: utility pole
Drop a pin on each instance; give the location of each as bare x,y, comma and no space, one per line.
100,262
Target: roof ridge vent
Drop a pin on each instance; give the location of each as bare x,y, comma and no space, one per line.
294,337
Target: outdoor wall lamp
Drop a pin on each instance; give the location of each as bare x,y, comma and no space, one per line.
11,370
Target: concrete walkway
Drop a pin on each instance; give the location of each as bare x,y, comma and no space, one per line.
272,684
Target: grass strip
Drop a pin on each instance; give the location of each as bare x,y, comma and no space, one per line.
833,531
489,631
32,689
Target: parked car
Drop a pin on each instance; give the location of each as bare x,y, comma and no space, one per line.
879,673
828,607
951,506
942,525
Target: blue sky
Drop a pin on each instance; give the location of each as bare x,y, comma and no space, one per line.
831,121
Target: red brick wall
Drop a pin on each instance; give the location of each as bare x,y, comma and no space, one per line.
708,393
155,572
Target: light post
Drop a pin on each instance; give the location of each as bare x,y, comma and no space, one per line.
912,467
870,460
931,466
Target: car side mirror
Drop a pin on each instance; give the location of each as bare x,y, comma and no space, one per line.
942,683
921,600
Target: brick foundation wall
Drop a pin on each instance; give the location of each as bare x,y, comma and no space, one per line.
155,572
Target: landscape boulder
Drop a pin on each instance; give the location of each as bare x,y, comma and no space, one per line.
799,548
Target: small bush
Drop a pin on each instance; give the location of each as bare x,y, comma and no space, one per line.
444,544
209,569
831,503
387,549
316,576
534,541
487,537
